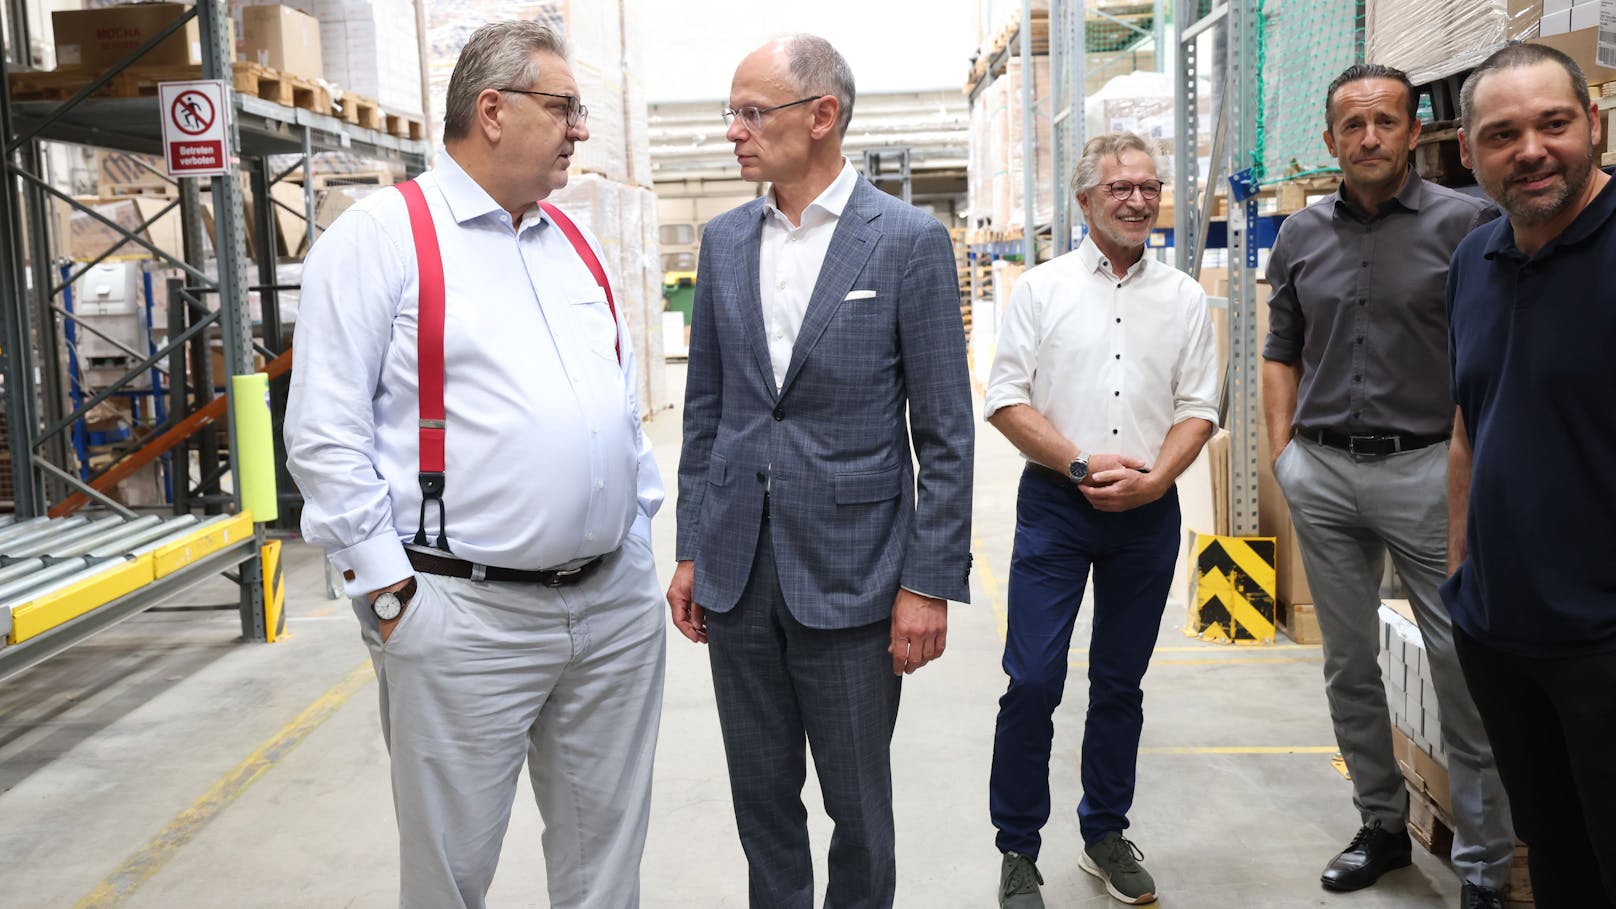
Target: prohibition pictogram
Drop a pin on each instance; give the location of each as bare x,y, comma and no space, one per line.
192,113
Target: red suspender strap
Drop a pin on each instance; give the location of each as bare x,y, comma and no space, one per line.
429,354
587,253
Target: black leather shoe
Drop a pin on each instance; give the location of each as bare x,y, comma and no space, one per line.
1373,852
1474,896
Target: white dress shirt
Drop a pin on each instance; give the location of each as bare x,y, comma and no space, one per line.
789,263
1113,363
546,462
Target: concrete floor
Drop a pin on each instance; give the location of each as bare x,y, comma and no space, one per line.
166,764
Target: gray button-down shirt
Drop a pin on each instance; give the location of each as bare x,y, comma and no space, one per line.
1360,302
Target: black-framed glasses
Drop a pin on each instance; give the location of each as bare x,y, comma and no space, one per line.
1122,189
576,111
752,117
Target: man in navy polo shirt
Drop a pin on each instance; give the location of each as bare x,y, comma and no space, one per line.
1533,345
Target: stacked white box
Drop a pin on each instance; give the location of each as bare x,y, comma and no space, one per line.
371,48
636,120
652,353
1410,694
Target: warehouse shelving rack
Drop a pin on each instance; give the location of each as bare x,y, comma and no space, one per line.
37,418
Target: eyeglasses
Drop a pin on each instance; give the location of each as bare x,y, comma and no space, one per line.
752,117
1122,189
576,111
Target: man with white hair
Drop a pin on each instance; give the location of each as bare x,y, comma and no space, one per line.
1106,380
464,430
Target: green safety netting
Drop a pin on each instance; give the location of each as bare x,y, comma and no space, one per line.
1301,46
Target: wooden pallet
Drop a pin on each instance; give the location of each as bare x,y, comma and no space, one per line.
142,82
359,110
404,126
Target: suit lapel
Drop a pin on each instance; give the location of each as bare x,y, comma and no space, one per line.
850,247
752,299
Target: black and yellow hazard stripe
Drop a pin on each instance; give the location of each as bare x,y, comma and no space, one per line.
274,591
1232,588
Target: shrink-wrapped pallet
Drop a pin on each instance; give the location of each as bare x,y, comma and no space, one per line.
1043,199
1432,39
371,48
652,353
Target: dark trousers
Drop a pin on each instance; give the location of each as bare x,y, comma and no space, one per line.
778,684
1059,537
1552,723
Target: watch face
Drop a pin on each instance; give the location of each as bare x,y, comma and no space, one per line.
387,607
1079,470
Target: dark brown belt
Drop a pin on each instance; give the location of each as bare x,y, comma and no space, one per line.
459,568
1053,476
1371,444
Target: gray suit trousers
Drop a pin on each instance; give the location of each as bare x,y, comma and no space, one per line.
779,682
478,677
1349,513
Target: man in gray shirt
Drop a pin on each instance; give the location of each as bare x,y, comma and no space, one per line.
1356,399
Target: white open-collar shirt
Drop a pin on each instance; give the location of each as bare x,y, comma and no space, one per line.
547,463
789,260
1113,363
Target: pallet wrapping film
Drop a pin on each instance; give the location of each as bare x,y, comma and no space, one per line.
594,34
652,352
1043,198
979,182
1433,39
371,48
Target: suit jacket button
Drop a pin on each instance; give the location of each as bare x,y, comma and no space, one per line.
779,414
762,477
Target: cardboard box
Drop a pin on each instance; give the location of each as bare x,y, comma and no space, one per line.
94,39
1585,15
1556,23
283,39
1583,47
1425,776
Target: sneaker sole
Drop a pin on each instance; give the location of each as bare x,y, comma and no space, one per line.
1087,864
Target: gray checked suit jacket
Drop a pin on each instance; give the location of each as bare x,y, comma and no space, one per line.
849,522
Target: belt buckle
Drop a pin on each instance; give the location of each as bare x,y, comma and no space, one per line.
560,578
1353,440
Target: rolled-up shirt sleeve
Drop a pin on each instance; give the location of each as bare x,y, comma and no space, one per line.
1195,389
1016,357
1286,326
353,283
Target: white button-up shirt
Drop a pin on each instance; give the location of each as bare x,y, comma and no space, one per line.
546,461
789,262
1113,363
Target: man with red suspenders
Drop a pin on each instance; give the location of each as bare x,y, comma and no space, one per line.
464,428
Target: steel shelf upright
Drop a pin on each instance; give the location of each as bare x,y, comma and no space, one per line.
1068,68
1236,128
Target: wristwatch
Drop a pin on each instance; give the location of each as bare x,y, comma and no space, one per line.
1078,470
390,604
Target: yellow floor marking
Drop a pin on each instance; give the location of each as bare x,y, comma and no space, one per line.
990,583
141,867
1250,749
1221,661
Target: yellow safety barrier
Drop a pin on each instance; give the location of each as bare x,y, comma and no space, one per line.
1232,586
210,539
274,591
39,616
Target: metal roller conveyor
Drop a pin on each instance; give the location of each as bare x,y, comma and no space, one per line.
181,533
127,546
59,540
30,585
23,532
20,568
109,536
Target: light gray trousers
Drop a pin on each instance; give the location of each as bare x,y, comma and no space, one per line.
1349,513
476,678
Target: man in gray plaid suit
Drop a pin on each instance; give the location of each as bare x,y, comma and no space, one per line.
810,558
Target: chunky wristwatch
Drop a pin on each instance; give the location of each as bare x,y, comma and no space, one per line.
390,604
1078,470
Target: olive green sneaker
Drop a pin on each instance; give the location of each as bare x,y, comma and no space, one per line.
1018,883
1115,860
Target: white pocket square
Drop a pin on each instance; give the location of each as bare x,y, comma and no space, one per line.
859,295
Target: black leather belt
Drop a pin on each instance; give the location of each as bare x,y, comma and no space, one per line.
1371,444
459,568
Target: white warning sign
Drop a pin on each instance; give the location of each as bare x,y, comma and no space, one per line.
194,116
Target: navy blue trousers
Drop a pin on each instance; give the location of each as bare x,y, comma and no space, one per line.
1059,538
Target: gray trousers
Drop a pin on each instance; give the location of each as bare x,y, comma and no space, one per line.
476,678
1349,513
779,685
